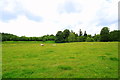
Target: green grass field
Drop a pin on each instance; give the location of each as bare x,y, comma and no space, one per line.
62,60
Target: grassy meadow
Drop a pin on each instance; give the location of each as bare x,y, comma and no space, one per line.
27,59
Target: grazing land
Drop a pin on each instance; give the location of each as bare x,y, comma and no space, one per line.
28,59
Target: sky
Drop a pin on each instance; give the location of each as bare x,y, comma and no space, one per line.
42,17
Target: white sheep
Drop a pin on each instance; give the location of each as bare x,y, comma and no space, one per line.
42,44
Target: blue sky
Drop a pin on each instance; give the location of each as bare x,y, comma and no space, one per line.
41,17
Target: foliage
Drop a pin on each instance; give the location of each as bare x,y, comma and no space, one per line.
115,35
11,37
96,37
59,37
89,36
81,38
66,33
68,36
85,34
104,34
71,37
89,39
80,33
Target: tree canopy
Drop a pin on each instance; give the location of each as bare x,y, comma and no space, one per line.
105,35
68,36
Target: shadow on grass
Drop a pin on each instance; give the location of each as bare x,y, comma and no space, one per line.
114,59
63,67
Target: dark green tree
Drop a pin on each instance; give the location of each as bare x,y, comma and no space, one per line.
71,37
81,38
114,35
66,33
89,36
24,38
59,37
80,33
51,37
89,39
85,34
96,37
104,34
9,37
45,38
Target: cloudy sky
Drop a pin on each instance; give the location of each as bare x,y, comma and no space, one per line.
41,17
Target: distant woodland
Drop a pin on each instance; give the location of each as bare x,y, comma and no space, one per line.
68,36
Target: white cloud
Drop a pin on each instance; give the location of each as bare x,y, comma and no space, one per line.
23,26
89,15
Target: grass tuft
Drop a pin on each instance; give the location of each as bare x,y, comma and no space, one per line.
63,67
103,57
114,59
108,53
72,57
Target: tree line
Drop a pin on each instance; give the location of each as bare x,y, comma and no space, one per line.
69,36
11,37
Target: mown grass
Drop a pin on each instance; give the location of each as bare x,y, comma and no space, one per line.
65,60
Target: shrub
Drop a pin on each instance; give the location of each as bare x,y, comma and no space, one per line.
89,39
81,39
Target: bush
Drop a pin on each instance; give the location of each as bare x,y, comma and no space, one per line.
89,39
81,39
